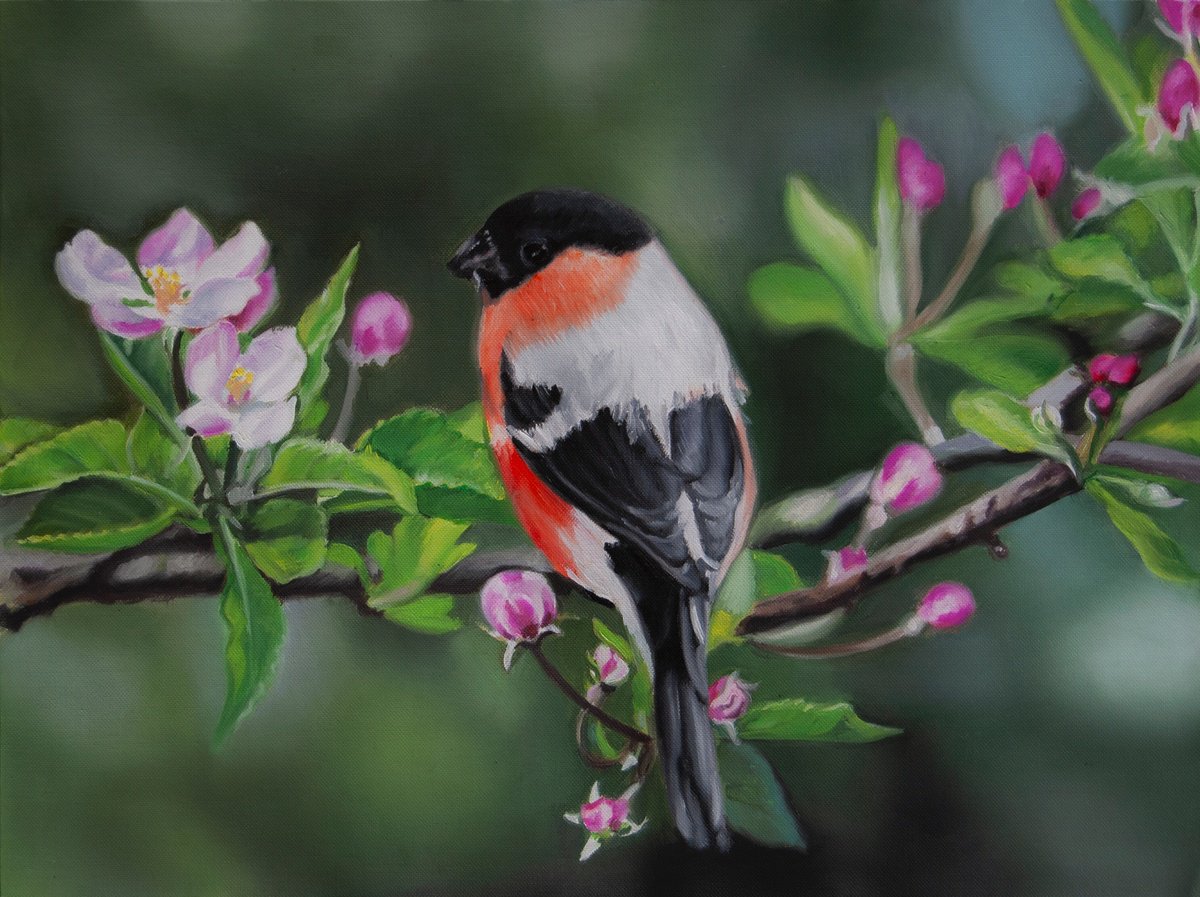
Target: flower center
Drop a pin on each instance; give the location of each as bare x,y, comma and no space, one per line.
238,384
167,287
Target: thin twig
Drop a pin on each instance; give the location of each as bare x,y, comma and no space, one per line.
555,676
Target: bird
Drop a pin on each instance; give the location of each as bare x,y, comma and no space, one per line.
614,411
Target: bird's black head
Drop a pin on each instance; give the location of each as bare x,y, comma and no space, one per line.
526,234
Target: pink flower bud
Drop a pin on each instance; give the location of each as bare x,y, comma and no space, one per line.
604,814
1099,367
1047,162
844,563
1124,370
1012,180
1179,96
922,181
1101,400
946,605
519,604
1086,203
1179,12
908,478
610,666
379,329
728,698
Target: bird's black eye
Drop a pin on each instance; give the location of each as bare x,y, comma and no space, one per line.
535,253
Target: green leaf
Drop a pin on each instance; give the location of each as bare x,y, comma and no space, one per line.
1106,59
94,447
316,330
838,247
1027,280
1176,426
94,517
968,321
752,577
417,551
1093,301
469,421
156,455
346,556
794,719
1015,359
303,464
255,628
1000,418
17,433
887,226
429,614
1132,165
286,538
1143,492
1159,552
795,299
1098,256
144,367
754,800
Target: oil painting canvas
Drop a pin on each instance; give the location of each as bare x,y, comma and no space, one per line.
600,448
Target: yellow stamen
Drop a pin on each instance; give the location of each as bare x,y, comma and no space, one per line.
239,383
167,286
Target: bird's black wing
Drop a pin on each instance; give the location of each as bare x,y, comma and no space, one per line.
617,471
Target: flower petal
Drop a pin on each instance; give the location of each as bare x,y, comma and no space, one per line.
124,321
260,425
93,272
179,245
213,301
211,358
242,255
207,419
258,306
277,360
592,845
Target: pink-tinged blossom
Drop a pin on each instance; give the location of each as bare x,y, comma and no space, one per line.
946,605
1101,400
611,667
1012,180
908,478
604,818
1047,162
520,606
246,394
189,282
379,329
1086,203
728,701
1124,370
1179,12
845,563
922,181
1178,97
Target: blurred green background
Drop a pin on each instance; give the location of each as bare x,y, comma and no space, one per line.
1051,748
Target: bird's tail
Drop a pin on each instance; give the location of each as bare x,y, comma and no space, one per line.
686,745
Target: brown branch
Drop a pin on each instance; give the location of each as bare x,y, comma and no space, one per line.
554,675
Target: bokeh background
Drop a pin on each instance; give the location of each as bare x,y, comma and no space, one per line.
1051,748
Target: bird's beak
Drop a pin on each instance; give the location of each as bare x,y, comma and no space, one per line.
476,254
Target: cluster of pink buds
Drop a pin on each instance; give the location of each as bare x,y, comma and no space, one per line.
908,478
921,180
1107,371
728,701
1177,106
521,608
1047,164
946,605
604,818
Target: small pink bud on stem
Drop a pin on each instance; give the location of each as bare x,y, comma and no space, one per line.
379,329
521,608
845,563
922,181
1086,204
946,605
1178,97
728,701
611,667
604,818
1047,162
1011,178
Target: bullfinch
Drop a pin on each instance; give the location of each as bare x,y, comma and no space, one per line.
614,412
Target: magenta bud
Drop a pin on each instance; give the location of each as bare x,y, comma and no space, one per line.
844,563
908,478
1124,370
1182,15
611,667
922,180
1099,367
1086,203
1012,180
1101,399
1179,96
946,605
1047,162
379,329
604,814
728,699
519,604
